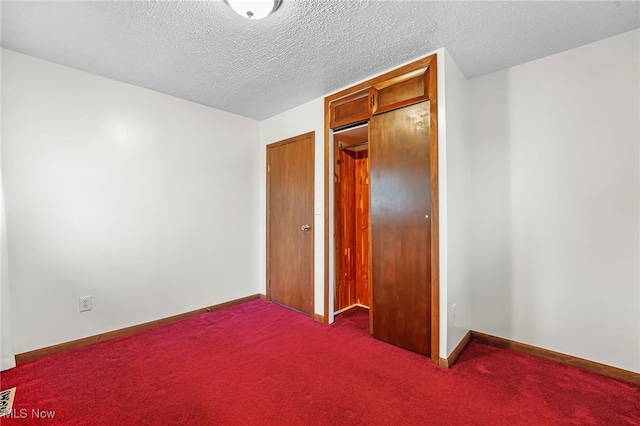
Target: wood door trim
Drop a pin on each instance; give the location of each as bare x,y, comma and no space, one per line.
312,136
327,183
435,212
430,62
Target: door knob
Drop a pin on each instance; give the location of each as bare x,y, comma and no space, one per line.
305,228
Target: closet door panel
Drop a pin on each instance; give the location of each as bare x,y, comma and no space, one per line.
400,227
400,91
351,109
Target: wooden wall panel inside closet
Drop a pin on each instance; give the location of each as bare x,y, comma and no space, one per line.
352,215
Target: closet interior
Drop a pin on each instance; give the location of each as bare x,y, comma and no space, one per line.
351,148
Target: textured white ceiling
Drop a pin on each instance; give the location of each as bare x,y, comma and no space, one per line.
204,52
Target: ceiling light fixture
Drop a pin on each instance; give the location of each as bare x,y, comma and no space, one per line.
254,9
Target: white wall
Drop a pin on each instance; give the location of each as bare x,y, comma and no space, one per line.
144,201
305,118
556,202
7,359
455,198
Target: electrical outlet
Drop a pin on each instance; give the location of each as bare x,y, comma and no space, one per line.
85,303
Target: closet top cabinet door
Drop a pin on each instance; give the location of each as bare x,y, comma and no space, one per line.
405,89
351,109
396,92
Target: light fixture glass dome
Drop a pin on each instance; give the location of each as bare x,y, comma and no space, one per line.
254,9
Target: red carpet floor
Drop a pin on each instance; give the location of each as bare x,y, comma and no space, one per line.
259,363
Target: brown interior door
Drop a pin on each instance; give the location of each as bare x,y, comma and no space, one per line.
290,192
400,227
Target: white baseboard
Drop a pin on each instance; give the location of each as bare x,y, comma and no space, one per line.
7,363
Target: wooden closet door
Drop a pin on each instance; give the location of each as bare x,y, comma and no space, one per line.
400,227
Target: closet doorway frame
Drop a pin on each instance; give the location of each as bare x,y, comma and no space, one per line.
431,63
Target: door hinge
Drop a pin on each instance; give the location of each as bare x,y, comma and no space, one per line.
269,168
268,283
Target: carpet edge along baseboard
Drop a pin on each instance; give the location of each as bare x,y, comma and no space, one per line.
50,350
596,367
585,364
